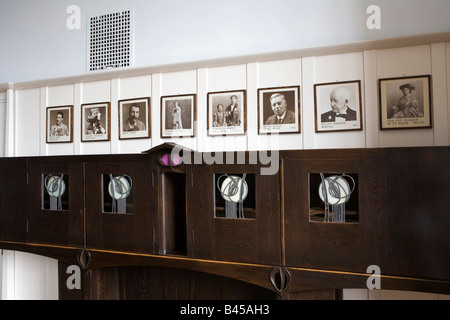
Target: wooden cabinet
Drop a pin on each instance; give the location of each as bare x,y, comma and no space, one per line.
55,201
416,212
117,212
252,237
313,239
400,225
13,199
172,184
121,204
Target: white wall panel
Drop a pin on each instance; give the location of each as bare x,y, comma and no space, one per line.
327,69
308,71
77,97
447,47
1,273
220,79
43,97
281,73
439,91
407,295
2,125
367,66
274,74
255,142
8,277
202,91
227,78
98,147
114,130
10,123
35,277
173,84
27,123
96,91
401,62
135,87
93,92
371,121
131,88
155,109
58,96
365,294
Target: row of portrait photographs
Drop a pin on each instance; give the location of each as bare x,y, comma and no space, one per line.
404,103
134,121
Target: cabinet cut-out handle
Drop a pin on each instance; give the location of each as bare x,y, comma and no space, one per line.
280,278
84,258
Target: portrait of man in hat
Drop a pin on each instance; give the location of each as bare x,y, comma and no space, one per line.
407,106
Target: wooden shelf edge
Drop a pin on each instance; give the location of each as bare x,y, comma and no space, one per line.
300,279
303,278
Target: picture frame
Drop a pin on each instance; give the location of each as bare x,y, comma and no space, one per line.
95,122
279,110
227,121
59,124
338,106
178,115
405,102
134,118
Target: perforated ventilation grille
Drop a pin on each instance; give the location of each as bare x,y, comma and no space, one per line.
110,41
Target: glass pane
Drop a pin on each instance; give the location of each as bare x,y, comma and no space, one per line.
117,193
234,196
333,197
55,191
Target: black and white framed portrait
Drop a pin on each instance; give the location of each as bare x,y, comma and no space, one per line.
338,106
59,124
178,115
134,118
95,122
279,110
405,103
227,113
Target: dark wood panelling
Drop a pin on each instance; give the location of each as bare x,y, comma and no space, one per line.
173,212
317,244
171,246
417,212
200,206
236,240
153,283
372,205
13,201
134,232
62,227
255,240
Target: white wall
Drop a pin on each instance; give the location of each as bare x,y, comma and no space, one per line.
36,43
365,294
30,103
1,273
2,121
366,66
35,277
